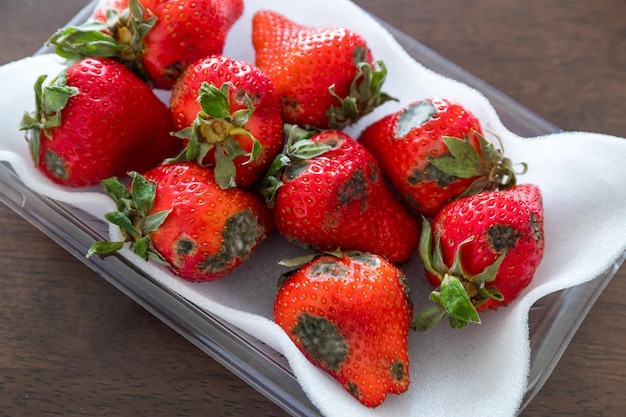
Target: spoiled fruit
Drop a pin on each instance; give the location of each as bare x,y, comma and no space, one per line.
326,192
481,252
177,215
350,314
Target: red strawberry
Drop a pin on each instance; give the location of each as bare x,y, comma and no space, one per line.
155,38
95,120
230,112
326,192
350,314
324,76
483,250
433,151
176,214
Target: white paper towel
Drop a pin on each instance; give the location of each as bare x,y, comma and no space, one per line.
481,370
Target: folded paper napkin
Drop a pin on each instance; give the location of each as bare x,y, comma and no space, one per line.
454,373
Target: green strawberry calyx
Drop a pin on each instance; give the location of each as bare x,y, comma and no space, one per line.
298,148
216,128
489,166
50,99
133,218
458,293
365,92
121,38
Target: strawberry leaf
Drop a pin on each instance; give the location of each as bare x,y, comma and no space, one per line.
426,247
141,247
454,298
214,101
299,261
154,256
488,293
307,149
143,193
87,40
457,268
104,248
464,161
225,170
152,222
490,272
428,318
32,125
54,97
271,182
489,168
120,195
432,258
241,117
114,188
123,222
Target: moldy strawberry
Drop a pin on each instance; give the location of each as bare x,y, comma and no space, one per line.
326,192
350,314
176,214
94,120
481,252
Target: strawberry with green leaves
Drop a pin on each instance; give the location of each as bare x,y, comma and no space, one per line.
326,192
94,120
157,39
326,77
176,215
228,112
350,314
433,151
481,252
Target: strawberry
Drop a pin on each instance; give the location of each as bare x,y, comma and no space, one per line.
350,314
433,151
481,252
158,39
324,76
229,112
326,192
177,215
94,120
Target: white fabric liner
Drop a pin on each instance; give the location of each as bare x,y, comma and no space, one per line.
454,373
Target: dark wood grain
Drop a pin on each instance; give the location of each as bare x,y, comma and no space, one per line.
71,344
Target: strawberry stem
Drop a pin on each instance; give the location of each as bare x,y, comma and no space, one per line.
215,128
489,167
132,217
365,93
298,147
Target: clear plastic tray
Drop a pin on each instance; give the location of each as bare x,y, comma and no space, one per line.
553,319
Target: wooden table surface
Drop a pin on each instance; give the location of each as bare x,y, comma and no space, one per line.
71,344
